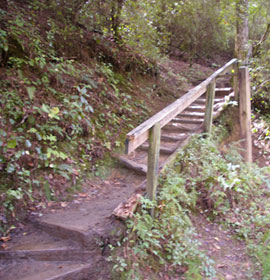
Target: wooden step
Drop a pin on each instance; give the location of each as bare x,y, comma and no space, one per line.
130,164
162,150
188,121
169,138
195,108
223,91
177,128
203,101
194,115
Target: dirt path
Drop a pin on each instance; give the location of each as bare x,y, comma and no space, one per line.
229,254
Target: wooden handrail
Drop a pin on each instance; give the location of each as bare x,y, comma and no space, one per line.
140,134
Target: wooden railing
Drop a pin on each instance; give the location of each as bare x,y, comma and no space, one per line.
151,129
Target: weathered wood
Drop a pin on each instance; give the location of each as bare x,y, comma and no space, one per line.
162,150
169,138
153,158
236,81
223,91
187,121
137,167
195,108
188,114
140,134
178,128
208,118
245,113
126,209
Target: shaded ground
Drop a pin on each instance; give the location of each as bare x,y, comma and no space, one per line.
230,256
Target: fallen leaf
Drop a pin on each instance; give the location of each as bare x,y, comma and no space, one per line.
4,246
64,204
83,194
5,238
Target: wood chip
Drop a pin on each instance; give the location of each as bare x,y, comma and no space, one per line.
126,209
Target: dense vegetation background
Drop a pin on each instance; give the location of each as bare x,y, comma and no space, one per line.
77,75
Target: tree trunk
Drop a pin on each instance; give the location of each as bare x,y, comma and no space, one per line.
242,31
116,11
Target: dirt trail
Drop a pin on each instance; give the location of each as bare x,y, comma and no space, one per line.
228,253
69,240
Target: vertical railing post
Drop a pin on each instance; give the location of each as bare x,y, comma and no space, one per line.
153,161
208,117
236,81
245,113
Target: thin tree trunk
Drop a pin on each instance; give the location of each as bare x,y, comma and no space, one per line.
116,11
242,31
257,47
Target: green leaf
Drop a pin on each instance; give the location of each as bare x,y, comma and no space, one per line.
45,108
28,143
31,92
47,191
54,112
10,168
11,144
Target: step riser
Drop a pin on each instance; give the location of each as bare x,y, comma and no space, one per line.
177,129
47,255
186,121
85,240
166,138
191,116
162,150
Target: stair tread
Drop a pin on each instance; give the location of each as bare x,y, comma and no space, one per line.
33,270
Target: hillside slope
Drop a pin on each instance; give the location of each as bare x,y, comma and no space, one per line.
68,95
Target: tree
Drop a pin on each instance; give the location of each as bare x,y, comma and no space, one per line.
242,30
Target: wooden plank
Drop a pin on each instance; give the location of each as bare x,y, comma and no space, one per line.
195,108
169,138
187,121
178,128
236,81
210,96
162,150
130,164
223,91
153,158
168,113
245,113
188,114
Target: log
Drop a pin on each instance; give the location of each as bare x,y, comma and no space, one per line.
137,167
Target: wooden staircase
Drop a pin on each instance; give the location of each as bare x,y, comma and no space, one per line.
154,143
177,131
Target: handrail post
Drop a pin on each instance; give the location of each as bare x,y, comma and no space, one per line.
245,113
153,161
208,117
236,81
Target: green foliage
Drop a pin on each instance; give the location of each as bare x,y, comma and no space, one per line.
163,244
59,112
260,70
230,191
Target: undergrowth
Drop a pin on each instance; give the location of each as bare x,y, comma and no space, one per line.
202,180
62,108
